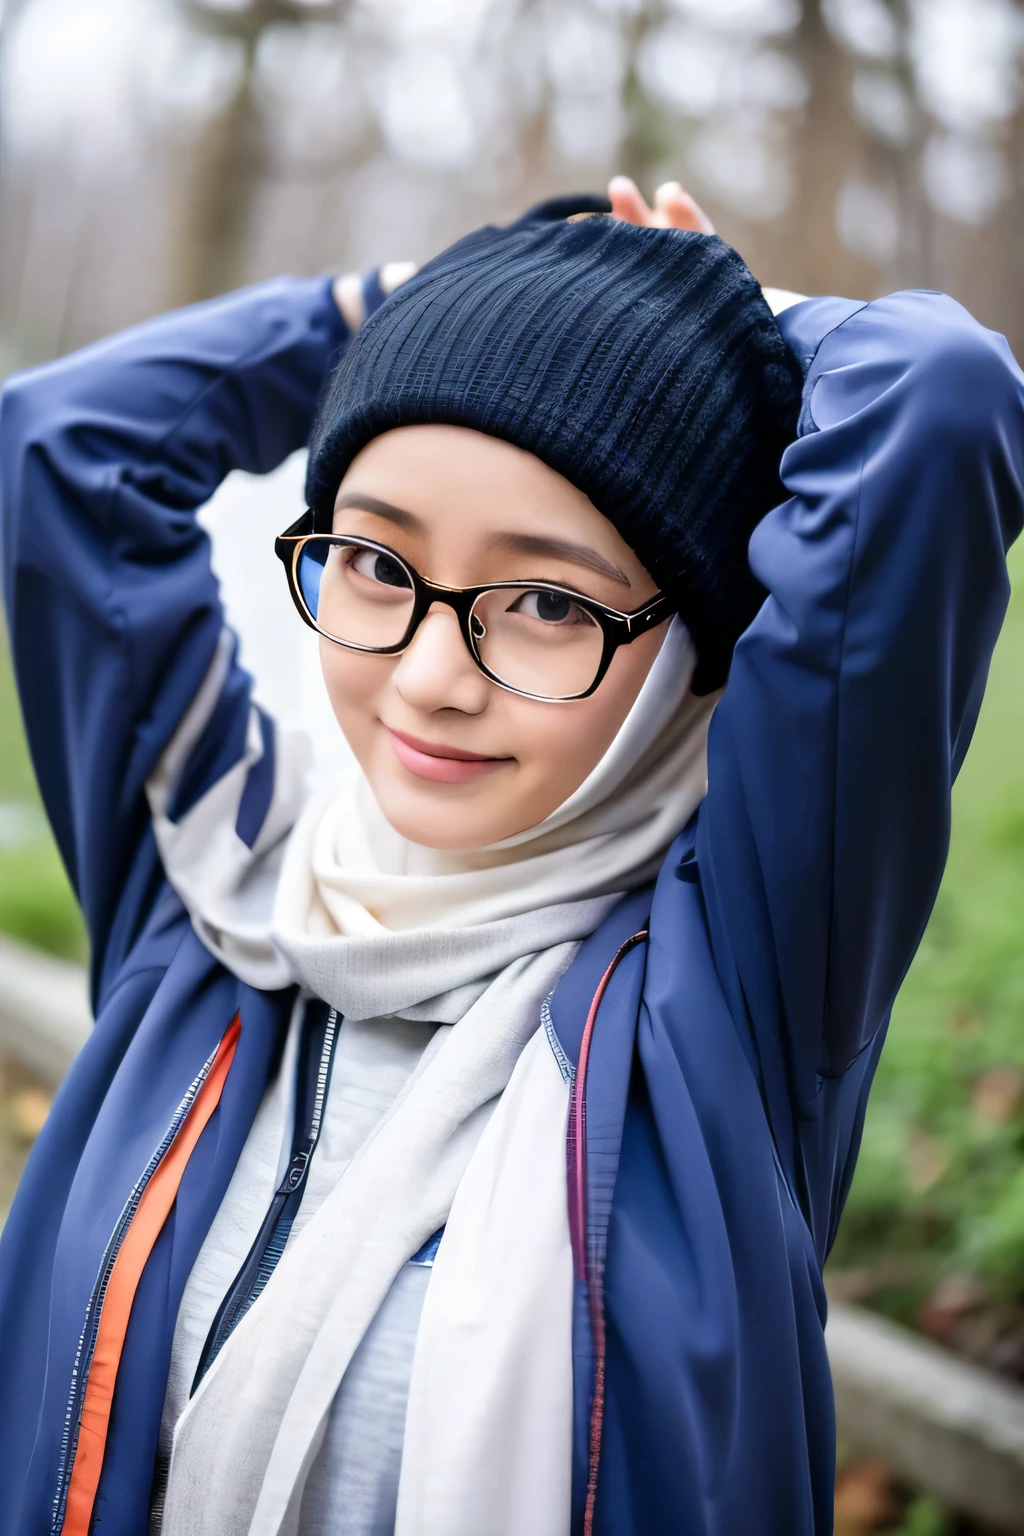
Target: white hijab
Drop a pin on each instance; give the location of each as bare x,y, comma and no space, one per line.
376,925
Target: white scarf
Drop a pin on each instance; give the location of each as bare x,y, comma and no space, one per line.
377,926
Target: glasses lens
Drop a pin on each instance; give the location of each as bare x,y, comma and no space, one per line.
358,595
538,640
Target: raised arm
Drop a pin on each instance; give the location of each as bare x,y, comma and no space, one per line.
113,608
854,694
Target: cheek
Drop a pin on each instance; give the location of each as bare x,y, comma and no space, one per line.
354,684
555,748
563,743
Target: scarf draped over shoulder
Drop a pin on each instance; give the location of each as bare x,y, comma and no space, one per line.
332,898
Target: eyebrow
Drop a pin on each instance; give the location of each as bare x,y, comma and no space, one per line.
518,543
381,508
563,549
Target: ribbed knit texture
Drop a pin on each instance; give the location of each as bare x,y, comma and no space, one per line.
642,364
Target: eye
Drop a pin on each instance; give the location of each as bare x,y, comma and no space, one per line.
375,566
550,608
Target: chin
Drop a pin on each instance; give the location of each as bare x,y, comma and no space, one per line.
442,821
438,831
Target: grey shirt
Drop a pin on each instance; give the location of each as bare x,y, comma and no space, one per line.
352,1488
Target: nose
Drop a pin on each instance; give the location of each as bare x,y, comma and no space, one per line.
437,671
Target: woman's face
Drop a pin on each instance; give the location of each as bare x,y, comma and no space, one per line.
453,760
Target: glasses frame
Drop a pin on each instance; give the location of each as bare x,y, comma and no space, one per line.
616,627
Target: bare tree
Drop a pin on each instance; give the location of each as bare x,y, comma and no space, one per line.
229,163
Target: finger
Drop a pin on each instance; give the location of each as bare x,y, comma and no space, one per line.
348,295
394,273
627,201
676,209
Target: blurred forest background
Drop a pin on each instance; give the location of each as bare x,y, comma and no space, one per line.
157,152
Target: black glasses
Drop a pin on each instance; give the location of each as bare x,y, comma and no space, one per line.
538,639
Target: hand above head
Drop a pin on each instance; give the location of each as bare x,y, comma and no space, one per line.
350,292
674,208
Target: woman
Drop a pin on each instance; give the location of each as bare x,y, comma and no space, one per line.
457,1151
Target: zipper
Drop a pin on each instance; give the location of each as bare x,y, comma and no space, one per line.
90,1328
579,1237
319,1034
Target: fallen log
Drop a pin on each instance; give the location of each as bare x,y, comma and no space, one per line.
944,1425
44,1010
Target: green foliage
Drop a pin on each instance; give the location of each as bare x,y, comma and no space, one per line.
37,904
36,901
923,1518
994,1237
941,1176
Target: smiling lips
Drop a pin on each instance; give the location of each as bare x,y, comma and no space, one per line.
445,765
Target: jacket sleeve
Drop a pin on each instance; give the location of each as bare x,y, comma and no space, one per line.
113,608
853,695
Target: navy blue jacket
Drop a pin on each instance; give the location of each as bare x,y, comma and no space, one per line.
732,1055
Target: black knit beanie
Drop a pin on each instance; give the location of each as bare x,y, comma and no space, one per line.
642,364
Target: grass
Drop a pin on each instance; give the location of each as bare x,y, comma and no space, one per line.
941,1174
36,901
